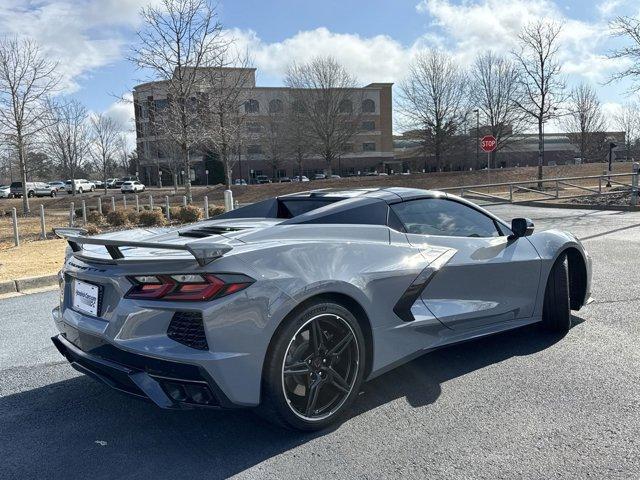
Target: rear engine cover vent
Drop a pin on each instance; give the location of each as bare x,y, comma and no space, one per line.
187,328
202,232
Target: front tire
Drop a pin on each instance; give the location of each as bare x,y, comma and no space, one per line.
314,368
556,311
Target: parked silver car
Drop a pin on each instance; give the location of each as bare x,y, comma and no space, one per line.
34,189
291,303
57,185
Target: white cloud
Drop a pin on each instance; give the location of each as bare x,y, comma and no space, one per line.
378,58
81,35
121,111
609,7
473,27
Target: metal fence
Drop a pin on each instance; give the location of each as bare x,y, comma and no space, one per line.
549,189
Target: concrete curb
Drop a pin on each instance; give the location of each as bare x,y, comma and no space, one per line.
8,287
31,283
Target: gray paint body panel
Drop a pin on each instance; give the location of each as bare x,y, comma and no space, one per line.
487,285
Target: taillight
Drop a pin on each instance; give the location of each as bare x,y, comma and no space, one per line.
187,286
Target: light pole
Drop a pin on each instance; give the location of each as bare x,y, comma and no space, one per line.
477,112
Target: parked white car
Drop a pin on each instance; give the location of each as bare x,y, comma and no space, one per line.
80,185
5,191
297,178
132,187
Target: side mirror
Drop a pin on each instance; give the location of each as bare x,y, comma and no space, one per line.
521,227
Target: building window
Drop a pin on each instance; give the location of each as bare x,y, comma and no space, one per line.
298,106
369,147
254,149
275,106
348,148
368,126
345,106
251,106
253,127
281,173
161,104
368,106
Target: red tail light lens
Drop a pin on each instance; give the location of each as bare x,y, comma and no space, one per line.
186,287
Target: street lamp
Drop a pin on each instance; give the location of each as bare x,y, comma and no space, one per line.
477,112
611,147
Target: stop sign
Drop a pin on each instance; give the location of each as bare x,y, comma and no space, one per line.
488,143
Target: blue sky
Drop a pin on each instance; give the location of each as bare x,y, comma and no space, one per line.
375,39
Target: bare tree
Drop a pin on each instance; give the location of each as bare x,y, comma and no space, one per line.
540,76
328,97
299,141
177,39
628,120
495,92
228,84
433,101
628,28
68,136
274,138
584,122
106,139
26,78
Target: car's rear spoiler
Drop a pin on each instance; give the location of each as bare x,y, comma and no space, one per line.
204,251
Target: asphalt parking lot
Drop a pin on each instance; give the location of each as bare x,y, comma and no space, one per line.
518,405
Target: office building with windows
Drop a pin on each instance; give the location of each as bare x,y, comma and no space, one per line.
369,149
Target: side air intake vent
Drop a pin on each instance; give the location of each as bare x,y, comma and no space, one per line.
187,328
202,232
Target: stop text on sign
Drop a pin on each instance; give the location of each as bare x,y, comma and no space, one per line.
488,143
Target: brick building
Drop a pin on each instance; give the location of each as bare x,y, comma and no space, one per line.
371,148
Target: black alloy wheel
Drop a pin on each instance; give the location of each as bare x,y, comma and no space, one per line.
314,368
320,367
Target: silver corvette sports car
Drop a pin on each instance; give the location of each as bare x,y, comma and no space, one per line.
291,303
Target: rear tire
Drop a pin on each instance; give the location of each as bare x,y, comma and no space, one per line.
308,384
556,311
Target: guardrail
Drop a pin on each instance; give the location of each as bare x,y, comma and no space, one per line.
514,192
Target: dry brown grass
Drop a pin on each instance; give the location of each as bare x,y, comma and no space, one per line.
32,259
29,228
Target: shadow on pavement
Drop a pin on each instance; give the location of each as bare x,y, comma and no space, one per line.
60,429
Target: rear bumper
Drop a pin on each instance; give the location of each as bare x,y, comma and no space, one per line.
169,385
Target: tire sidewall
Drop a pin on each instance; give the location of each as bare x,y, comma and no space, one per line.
272,378
556,316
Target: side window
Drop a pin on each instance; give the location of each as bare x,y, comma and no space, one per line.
436,216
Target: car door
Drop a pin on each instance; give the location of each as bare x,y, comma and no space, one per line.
41,189
491,278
